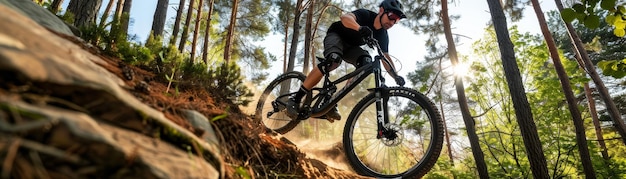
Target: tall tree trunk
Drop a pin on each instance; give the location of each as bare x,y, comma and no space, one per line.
105,14
583,149
118,16
179,15
445,125
596,122
118,9
196,30
523,112
324,8
207,33
85,12
470,126
285,44
231,32
308,38
295,36
115,27
55,6
185,35
126,16
160,15
591,70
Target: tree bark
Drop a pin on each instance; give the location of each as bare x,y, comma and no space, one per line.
523,112
445,125
470,126
308,38
125,20
596,122
295,36
85,11
118,9
285,56
55,6
179,15
105,14
185,35
231,32
207,33
160,15
583,149
196,30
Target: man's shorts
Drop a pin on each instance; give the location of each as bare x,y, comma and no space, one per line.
350,53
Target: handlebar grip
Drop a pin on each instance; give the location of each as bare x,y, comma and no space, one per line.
370,41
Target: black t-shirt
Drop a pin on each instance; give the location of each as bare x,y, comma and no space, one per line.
364,17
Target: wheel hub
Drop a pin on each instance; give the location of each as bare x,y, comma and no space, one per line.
393,136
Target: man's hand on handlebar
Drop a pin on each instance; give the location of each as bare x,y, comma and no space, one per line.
399,80
365,31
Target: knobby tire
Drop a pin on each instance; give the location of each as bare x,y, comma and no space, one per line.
279,121
413,122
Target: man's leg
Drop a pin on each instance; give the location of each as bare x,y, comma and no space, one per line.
313,78
333,47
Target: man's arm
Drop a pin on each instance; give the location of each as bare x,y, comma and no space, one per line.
388,68
349,21
394,74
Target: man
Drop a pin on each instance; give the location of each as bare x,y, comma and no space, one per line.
343,41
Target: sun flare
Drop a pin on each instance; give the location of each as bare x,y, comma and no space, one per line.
461,69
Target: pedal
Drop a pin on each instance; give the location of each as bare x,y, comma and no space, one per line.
326,118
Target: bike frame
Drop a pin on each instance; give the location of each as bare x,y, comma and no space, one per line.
357,77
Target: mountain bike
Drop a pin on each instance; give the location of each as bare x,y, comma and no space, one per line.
392,132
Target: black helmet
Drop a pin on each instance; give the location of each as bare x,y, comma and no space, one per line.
393,6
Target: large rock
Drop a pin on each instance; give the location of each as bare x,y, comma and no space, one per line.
58,102
38,14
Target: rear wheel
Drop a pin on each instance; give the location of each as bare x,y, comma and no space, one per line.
411,143
270,110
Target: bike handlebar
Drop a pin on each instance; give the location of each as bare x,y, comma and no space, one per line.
373,43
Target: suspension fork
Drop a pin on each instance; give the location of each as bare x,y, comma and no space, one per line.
381,94
382,112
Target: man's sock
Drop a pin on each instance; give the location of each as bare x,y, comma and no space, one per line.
303,91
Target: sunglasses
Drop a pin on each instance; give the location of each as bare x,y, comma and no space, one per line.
392,16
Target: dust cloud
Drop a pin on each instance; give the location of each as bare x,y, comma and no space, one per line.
318,138
250,109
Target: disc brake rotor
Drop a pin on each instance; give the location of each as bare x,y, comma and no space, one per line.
393,135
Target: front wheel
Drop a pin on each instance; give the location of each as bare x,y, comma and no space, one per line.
411,143
270,109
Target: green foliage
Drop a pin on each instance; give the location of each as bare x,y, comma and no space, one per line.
422,75
226,80
155,44
605,49
67,17
587,14
613,68
242,172
218,117
497,128
135,54
92,34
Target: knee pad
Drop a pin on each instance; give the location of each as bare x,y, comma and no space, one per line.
334,57
333,60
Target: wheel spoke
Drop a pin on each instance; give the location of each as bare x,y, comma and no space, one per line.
271,105
410,145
